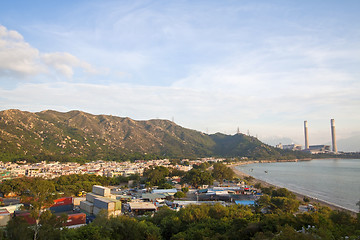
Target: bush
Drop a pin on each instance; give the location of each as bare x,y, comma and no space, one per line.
185,189
258,185
180,195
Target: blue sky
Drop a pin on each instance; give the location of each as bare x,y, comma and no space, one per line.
213,66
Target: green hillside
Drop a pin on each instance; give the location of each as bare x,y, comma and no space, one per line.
80,136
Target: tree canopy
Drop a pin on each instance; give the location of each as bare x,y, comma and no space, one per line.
221,172
197,177
210,222
156,175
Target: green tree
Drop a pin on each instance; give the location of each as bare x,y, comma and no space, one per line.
196,177
358,215
166,186
170,225
5,187
287,233
180,195
18,229
218,211
17,186
257,185
285,204
177,172
203,166
221,172
267,190
50,225
89,232
156,175
341,218
41,194
264,201
123,227
135,177
283,192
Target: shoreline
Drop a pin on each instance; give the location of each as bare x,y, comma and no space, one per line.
299,196
245,162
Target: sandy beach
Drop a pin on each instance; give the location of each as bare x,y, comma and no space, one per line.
299,196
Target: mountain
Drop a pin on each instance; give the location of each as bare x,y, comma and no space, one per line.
273,141
80,136
350,144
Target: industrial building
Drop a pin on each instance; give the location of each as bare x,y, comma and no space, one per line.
333,136
306,135
315,149
140,208
293,147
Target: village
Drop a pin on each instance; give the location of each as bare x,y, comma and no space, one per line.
51,170
132,199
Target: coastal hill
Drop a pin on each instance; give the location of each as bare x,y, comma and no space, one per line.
80,136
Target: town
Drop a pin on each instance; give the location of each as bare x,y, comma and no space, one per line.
132,198
157,199
50,170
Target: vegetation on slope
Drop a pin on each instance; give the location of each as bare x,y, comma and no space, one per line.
79,136
282,221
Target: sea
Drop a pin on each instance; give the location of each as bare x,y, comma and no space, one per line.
335,181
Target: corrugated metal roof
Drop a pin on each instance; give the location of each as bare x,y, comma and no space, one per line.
142,206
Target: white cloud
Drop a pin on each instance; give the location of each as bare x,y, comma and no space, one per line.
266,73
16,56
19,59
65,63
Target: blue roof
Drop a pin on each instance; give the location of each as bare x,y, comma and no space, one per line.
164,190
245,202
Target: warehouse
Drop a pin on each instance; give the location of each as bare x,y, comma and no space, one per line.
140,208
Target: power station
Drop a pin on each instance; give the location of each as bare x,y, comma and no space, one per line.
333,136
306,135
320,148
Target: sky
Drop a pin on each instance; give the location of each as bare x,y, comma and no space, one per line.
214,66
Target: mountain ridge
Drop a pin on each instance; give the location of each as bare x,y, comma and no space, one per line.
77,135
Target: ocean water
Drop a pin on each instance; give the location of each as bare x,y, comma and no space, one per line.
336,181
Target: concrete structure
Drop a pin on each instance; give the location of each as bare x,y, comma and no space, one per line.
333,135
140,208
314,149
292,147
306,135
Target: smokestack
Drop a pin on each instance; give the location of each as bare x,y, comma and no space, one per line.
333,135
306,135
